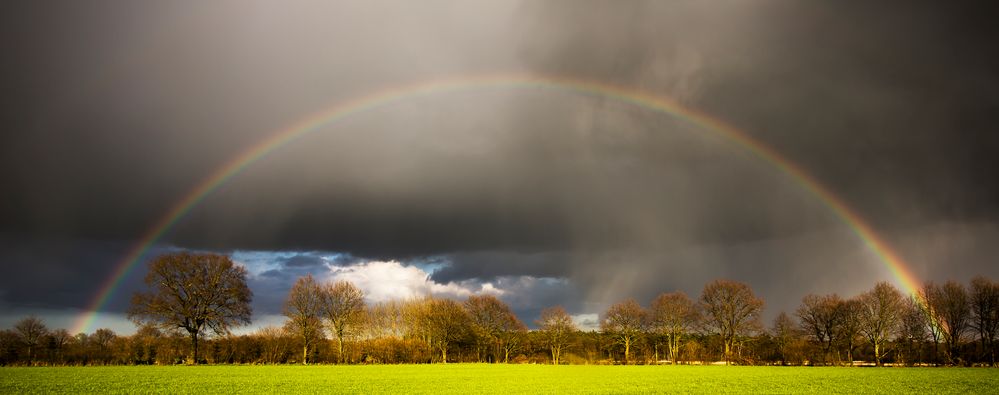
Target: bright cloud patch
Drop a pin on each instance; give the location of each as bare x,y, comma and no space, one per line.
383,281
586,322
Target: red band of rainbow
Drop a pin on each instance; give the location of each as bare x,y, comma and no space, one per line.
903,276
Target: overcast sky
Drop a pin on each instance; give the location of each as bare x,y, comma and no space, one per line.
112,111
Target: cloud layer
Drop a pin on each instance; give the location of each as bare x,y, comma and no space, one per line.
113,111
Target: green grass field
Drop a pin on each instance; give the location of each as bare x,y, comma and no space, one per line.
481,378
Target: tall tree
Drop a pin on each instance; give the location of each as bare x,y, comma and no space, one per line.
672,315
625,322
102,338
386,320
31,330
492,320
194,292
849,328
343,308
913,330
953,314
303,309
985,312
880,316
730,310
446,322
512,338
929,299
59,338
784,331
556,326
821,317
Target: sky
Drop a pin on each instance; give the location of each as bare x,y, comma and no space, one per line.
113,111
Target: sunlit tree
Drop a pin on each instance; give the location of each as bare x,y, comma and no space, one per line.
821,318
624,322
730,310
445,322
304,308
343,310
880,316
850,334
672,315
556,325
193,292
493,321
784,332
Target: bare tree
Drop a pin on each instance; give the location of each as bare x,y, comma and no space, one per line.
913,330
415,315
730,310
343,308
985,312
386,320
303,309
672,315
144,343
59,338
512,337
31,330
625,322
929,298
880,316
850,326
556,326
446,322
102,338
273,344
821,317
194,292
953,315
784,331
493,321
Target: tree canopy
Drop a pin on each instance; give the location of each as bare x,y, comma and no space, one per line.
195,292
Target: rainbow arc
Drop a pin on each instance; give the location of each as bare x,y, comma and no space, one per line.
903,276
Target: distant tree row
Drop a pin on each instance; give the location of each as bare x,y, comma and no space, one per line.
195,299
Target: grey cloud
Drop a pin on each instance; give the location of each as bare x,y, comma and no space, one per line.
303,261
114,111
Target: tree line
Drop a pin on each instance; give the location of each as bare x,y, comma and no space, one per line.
195,300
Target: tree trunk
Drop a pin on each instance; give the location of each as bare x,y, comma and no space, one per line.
627,349
727,351
877,354
194,343
339,345
305,355
444,354
674,348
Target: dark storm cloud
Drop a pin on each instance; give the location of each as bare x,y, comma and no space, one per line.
113,111
61,273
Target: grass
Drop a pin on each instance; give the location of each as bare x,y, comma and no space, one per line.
482,378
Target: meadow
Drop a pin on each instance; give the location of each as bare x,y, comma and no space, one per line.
483,378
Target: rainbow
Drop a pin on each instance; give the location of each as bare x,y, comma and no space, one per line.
898,268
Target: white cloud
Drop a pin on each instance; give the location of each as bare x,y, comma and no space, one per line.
586,322
382,281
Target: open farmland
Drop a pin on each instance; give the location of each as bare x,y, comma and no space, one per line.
482,378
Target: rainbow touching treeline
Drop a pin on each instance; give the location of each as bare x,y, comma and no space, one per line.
902,274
